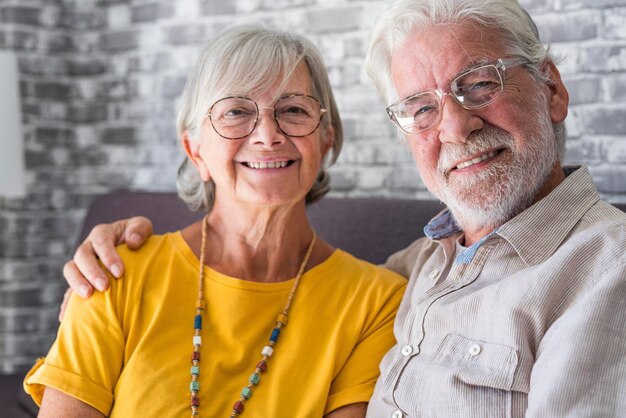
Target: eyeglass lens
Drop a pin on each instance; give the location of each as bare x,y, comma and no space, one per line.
473,89
236,117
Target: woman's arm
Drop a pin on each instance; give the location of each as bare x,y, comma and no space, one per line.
355,410
56,404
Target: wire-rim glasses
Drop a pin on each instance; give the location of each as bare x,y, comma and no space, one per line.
472,89
296,115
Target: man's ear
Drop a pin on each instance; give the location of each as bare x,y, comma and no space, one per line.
558,98
192,149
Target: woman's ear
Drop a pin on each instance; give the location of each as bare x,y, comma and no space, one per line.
192,149
328,138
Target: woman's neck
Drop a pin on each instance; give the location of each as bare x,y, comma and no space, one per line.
262,245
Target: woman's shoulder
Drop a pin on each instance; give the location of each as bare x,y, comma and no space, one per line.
351,268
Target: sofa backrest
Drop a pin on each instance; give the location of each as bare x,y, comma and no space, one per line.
371,228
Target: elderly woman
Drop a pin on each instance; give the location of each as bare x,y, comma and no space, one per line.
247,308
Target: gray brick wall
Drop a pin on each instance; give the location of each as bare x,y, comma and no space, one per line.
99,82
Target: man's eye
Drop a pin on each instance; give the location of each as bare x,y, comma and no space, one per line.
424,110
478,86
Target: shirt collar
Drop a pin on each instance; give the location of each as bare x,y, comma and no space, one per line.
539,230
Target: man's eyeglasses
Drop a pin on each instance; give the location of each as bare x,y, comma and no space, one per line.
296,115
472,89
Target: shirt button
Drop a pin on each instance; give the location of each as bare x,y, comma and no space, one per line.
407,350
397,414
433,274
474,350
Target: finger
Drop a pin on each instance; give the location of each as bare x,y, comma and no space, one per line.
66,300
137,230
88,268
102,241
76,280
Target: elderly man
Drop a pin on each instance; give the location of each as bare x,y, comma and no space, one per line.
516,304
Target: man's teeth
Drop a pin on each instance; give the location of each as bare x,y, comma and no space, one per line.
476,160
271,164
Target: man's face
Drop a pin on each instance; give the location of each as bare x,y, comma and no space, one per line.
486,164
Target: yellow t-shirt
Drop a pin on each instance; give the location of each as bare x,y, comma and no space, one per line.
127,352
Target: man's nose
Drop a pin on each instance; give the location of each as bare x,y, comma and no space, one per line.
456,123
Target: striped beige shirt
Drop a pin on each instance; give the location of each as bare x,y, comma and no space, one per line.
529,322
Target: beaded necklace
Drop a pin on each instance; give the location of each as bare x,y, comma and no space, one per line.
266,352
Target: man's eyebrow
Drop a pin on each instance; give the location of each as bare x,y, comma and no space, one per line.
475,64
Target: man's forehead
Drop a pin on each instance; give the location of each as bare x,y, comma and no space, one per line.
435,54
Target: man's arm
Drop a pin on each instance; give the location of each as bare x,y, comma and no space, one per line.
56,404
580,368
83,273
355,410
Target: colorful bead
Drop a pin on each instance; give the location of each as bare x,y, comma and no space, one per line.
197,340
282,318
246,393
195,356
194,386
238,407
262,366
275,334
267,351
255,378
197,322
195,370
195,400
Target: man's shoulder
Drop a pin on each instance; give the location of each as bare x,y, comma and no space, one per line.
403,261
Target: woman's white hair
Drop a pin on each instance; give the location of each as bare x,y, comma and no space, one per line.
248,60
404,17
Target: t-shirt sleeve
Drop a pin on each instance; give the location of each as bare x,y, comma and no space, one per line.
357,378
86,359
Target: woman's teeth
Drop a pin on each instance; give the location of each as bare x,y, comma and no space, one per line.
271,164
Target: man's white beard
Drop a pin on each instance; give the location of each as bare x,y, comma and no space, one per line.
506,187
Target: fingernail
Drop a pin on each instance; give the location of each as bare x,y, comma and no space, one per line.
135,237
116,269
101,284
83,290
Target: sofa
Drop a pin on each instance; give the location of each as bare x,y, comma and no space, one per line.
368,227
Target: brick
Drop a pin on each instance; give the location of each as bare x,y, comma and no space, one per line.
24,41
151,11
615,149
20,15
87,113
606,120
38,65
53,90
284,4
583,150
119,136
213,8
173,86
59,42
609,179
602,3
83,19
185,34
342,179
583,89
120,40
568,27
405,179
604,58
86,67
615,86
333,19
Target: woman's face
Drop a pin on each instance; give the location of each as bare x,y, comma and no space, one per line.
267,167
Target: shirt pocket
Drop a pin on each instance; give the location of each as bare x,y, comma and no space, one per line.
475,378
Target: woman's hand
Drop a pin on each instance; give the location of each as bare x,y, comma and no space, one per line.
83,273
